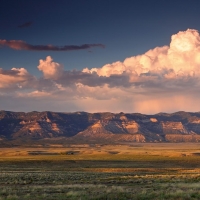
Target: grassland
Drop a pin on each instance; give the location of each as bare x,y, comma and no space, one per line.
126,171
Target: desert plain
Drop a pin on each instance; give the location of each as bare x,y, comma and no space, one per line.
101,171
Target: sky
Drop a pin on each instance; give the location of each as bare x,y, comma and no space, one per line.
100,56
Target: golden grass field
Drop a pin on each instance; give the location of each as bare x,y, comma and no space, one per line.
88,151
95,171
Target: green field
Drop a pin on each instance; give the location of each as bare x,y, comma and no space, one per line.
127,171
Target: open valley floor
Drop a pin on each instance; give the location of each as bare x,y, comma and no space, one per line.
101,171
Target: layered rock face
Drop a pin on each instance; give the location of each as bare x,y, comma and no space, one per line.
121,127
41,124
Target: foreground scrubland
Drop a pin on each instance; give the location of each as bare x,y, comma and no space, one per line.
126,171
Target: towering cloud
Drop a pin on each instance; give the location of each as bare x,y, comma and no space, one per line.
162,79
50,69
181,58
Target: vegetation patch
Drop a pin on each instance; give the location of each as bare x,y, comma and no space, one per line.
161,174
113,152
42,153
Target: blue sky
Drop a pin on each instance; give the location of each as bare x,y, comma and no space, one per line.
126,27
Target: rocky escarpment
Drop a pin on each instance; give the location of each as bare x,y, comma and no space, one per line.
109,127
42,124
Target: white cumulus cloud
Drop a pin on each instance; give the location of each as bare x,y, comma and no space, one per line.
163,79
181,58
50,69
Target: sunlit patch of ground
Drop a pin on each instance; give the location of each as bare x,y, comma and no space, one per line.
124,150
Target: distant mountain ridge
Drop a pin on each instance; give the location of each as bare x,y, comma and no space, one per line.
110,127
